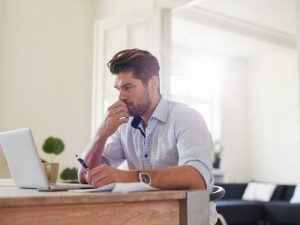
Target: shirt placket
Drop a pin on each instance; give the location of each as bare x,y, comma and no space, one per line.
147,146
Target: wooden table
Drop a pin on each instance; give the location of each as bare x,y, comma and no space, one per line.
27,206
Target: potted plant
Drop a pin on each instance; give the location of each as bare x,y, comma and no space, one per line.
218,148
69,174
55,146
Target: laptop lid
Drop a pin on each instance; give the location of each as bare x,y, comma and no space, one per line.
22,158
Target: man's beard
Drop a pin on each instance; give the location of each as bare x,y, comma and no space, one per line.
140,108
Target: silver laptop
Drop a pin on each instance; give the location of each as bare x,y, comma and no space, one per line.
24,162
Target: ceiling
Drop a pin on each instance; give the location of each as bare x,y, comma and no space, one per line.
277,14
243,28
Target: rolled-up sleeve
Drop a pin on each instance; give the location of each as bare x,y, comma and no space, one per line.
195,145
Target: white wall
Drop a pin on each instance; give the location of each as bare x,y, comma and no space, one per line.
234,121
274,117
3,165
112,8
297,9
260,118
46,71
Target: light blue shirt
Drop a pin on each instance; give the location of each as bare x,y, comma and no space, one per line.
176,135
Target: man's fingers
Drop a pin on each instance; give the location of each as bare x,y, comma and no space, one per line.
104,181
91,173
94,175
118,110
118,106
123,120
100,176
117,114
122,115
98,179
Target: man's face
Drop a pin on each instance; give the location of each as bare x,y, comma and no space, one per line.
133,93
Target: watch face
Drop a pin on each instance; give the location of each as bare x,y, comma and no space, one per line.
145,178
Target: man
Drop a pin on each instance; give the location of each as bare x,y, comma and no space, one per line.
166,144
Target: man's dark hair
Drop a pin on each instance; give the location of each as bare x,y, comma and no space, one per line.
141,63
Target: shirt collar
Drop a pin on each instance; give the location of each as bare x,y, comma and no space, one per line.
161,111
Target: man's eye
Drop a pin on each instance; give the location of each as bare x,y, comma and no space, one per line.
127,88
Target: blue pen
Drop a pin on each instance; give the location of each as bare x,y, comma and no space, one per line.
82,162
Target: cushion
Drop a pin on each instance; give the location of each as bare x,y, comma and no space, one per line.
256,191
288,193
279,193
296,195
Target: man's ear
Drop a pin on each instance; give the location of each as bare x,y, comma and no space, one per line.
154,82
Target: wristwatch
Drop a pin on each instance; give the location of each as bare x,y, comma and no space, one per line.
145,178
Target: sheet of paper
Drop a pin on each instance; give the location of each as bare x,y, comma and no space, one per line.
133,187
120,187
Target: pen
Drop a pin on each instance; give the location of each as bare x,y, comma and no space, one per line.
82,162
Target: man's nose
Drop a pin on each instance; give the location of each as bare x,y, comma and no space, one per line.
122,95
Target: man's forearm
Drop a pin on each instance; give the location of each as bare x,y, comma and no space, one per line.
177,177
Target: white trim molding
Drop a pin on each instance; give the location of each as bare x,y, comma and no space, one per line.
175,4
236,25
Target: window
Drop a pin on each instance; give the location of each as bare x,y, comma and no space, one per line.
195,80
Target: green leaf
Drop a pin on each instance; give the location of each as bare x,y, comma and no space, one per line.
69,174
53,145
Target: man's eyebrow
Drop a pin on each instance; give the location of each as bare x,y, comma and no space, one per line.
123,85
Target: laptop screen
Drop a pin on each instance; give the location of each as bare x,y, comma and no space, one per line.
22,158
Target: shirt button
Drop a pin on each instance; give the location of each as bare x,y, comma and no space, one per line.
146,155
